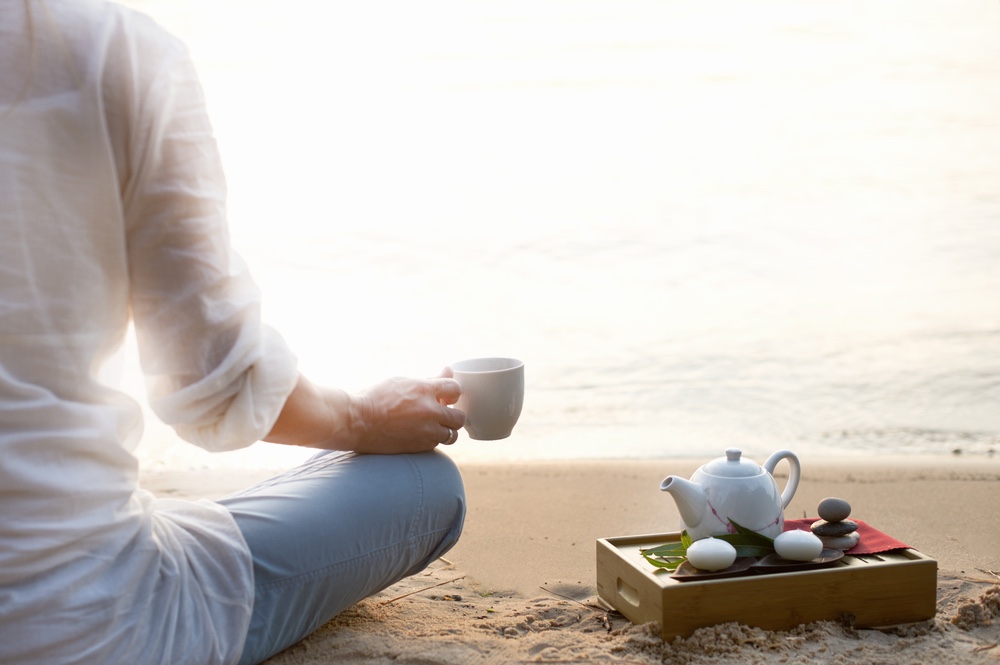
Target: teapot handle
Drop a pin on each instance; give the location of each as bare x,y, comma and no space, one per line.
793,475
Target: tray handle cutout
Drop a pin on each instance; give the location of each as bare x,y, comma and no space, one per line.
627,593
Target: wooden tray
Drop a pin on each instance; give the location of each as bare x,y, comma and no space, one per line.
877,589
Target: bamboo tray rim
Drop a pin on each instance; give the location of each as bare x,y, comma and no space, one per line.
627,547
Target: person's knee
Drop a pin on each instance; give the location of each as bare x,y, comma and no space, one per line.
444,492
447,480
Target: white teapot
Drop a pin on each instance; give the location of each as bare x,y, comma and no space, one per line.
731,488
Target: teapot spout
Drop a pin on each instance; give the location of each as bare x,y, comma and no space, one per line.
690,498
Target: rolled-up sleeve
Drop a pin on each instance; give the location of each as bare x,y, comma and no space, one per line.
214,371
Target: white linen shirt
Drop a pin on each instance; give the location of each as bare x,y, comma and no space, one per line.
112,207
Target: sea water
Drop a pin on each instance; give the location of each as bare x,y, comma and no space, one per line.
701,224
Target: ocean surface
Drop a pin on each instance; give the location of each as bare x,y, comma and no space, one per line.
701,224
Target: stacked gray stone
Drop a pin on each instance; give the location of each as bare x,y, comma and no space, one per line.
833,528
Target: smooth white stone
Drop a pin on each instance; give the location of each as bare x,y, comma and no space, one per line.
711,554
798,545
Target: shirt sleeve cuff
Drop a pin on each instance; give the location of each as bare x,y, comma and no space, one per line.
255,405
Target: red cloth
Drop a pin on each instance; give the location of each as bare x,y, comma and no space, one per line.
872,540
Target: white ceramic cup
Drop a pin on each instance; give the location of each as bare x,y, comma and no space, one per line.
492,395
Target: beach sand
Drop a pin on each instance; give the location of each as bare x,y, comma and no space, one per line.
520,587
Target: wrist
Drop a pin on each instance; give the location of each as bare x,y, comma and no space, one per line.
359,413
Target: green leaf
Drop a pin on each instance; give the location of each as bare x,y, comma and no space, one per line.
753,537
668,550
661,563
669,555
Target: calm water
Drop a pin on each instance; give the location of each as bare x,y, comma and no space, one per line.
701,224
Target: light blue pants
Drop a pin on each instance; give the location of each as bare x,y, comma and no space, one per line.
338,529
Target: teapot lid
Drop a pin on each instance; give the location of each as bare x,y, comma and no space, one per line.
731,466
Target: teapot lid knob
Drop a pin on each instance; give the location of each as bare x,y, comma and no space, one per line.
733,465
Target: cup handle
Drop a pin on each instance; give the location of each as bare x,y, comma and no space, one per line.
795,471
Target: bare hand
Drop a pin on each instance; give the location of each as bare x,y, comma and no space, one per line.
402,415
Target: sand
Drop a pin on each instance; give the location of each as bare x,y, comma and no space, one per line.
520,587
